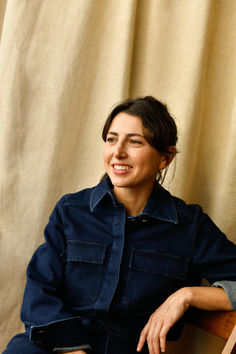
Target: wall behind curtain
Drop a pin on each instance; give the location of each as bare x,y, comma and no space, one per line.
63,64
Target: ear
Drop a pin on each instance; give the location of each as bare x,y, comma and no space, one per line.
167,158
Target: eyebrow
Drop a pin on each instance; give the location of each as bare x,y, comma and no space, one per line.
129,135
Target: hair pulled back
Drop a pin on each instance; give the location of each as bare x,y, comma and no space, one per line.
159,127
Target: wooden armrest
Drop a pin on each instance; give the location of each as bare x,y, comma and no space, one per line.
219,323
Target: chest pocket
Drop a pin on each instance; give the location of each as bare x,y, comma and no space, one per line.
159,263
83,271
152,277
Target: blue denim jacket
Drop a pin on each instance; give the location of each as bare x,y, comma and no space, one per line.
101,269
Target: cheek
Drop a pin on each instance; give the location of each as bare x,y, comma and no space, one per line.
105,156
152,164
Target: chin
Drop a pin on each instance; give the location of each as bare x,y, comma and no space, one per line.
118,182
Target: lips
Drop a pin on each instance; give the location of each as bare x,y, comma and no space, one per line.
121,168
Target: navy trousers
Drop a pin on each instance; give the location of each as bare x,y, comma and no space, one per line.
102,343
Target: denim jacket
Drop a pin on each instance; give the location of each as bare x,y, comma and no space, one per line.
101,269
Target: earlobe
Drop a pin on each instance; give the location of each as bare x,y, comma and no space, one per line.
163,163
167,158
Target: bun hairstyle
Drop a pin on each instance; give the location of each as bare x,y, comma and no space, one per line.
159,126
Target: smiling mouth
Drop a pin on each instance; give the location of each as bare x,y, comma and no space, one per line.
121,167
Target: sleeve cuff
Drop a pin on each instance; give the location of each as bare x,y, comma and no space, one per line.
86,347
68,333
230,288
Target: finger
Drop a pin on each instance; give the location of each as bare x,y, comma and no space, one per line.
163,343
162,337
142,338
153,338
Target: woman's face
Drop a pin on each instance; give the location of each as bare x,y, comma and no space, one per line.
130,161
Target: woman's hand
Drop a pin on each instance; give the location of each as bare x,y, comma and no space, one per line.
162,320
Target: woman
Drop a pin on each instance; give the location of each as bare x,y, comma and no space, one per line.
123,261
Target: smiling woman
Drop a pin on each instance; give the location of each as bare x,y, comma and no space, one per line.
130,161
157,126
123,261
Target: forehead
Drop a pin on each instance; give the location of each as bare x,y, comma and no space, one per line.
126,123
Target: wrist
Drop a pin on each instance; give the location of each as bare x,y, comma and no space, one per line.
186,297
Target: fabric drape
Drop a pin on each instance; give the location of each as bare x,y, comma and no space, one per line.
63,64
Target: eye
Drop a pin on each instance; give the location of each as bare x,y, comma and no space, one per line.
110,139
135,142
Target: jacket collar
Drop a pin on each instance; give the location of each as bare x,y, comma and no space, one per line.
160,206
99,192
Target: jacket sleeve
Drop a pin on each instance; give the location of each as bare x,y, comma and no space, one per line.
48,320
215,256
230,289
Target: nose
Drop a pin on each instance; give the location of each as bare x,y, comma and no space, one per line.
120,151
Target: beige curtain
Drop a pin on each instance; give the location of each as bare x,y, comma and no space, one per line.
63,64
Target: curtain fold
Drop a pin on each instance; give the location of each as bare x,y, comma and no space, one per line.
63,64
3,5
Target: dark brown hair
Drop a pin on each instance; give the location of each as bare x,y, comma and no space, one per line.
157,122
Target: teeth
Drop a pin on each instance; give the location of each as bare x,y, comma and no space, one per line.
121,168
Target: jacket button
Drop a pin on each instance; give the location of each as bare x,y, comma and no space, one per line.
38,341
144,220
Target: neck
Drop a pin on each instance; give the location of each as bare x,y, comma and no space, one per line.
134,201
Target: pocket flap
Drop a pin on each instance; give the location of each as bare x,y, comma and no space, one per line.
159,263
87,252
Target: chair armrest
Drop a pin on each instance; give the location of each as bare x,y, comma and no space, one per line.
219,323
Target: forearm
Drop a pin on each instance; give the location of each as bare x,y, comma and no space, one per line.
166,315
206,298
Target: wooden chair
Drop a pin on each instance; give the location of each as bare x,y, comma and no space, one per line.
219,323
